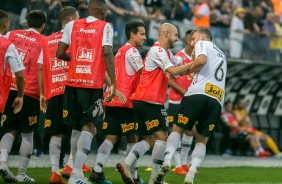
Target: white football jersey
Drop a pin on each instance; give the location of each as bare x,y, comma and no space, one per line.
210,80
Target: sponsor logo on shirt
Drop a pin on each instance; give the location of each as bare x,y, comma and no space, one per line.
83,69
152,124
57,64
54,41
214,91
25,37
88,31
84,54
59,78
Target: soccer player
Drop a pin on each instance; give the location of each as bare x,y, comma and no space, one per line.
9,61
55,74
202,102
90,40
178,87
119,117
148,101
29,44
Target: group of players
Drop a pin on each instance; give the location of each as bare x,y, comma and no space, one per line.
66,72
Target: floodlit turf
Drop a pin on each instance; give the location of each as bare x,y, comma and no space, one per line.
241,175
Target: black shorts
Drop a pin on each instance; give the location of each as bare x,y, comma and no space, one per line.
201,108
53,123
172,109
119,121
150,117
24,121
81,106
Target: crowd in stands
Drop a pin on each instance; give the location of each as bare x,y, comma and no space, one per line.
241,28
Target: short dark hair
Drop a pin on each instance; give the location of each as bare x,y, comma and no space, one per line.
227,102
3,16
66,12
204,31
188,32
36,18
132,27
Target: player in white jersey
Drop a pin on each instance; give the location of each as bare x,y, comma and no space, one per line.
202,102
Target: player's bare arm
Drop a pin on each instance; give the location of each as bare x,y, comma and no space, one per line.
109,61
62,52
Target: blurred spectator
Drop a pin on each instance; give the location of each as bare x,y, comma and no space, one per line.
276,40
17,11
139,11
269,31
252,22
236,35
52,9
231,126
121,10
201,14
220,21
176,11
246,125
82,8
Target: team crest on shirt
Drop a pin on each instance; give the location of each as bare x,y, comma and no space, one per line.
152,124
47,123
211,127
127,127
182,119
23,54
65,113
32,120
105,125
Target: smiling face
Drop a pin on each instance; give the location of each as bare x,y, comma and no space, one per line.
196,37
172,37
139,37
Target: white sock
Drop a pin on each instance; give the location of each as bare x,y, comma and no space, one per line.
157,156
176,157
74,139
104,152
138,150
134,166
25,152
55,151
5,148
129,147
198,156
171,146
185,148
83,149
70,161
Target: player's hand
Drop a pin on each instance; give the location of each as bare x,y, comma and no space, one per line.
111,94
121,96
43,103
17,104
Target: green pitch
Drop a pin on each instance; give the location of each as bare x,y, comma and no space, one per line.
246,175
